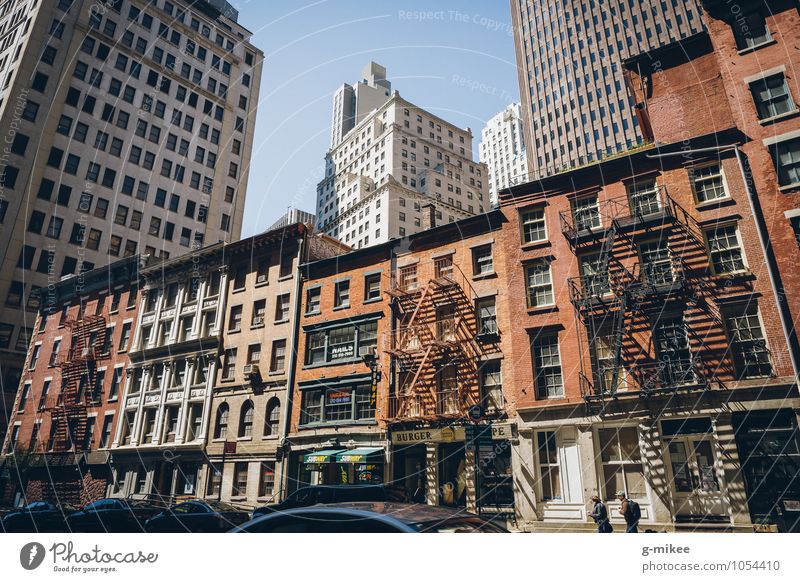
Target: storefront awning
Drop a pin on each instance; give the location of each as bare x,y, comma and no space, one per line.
327,456
362,455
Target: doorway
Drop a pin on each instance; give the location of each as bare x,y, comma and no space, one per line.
453,475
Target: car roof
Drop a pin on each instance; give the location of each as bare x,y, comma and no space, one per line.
406,512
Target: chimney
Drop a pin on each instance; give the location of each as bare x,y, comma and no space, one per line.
428,216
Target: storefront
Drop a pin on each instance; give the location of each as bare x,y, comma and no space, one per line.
362,465
436,466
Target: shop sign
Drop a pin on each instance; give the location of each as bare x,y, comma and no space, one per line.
500,431
345,351
338,397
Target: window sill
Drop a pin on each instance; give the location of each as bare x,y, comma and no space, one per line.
789,187
227,380
233,331
259,326
285,278
335,423
776,118
262,284
341,307
272,437
312,313
341,362
279,321
535,245
718,203
742,275
750,49
276,373
238,497
542,309
482,276
239,290
243,439
373,300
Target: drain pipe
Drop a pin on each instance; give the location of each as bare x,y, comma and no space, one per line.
766,248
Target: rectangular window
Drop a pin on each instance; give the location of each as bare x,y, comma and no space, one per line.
622,463
656,262
487,315
372,287
750,30
240,479
341,296
491,386
725,249
533,226
549,469
341,404
643,198
539,284
313,297
267,480
748,344
708,183
278,360
482,262
772,97
547,366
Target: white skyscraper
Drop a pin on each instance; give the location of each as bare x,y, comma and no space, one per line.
393,162
502,149
352,103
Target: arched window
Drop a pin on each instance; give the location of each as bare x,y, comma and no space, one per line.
272,418
246,420
221,428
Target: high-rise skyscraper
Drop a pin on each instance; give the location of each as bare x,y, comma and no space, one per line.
569,52
395,161
352,103
129,127
502,149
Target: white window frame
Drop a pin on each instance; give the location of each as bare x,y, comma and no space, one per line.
739,241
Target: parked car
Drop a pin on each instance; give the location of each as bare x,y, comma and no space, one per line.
197,516
315,494
38,517
369,517
112,515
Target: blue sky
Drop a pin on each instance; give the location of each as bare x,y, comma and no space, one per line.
454,58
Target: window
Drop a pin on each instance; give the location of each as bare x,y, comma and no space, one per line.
482,263
750,30
491,386
407,277
586,213
643,198
105,435
266,482
347,403
622,463
282,308
259,311
786,156
341,294
725,250
343,342
221,425
246,420
549,470
708,183
547,366
656,262
748,343
278,360
235,321
772,96
229,368
272,417
539,284
675,364
313,296
487,316
23,397
116,382
533,226
372,287
240,479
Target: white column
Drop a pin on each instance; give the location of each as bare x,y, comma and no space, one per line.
137,423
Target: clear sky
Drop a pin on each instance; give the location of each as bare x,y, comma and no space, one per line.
453,58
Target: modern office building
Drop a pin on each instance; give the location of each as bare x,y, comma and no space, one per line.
395,160
502,149
569,53
129,130
292,216
351,103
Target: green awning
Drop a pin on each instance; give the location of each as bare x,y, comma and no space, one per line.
321,456
362,455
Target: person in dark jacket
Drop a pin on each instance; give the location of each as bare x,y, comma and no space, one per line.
630,511
600,516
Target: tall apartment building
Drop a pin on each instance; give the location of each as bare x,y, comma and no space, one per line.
569,53
352,103
294,215
129,130
395,160
502,149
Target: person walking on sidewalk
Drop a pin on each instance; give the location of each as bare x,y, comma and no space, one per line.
600,516
630,510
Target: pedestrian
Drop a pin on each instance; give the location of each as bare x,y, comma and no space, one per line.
600,516
630,510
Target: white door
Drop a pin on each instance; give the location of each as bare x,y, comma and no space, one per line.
695,485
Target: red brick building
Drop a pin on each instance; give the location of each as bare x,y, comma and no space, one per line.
66,409
655,321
